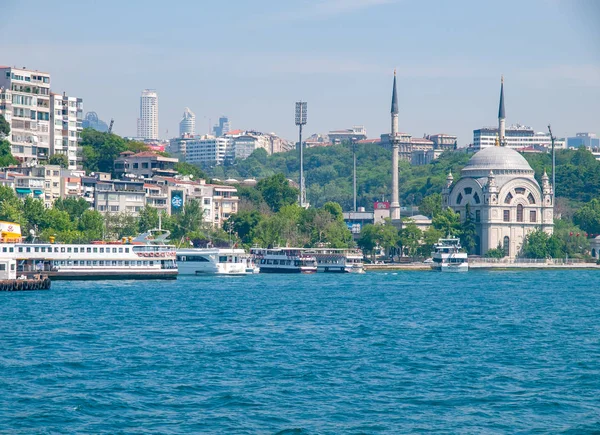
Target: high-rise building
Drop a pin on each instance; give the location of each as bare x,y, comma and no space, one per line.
588,140
223,127
91,120
148,120
188,124
67,122
30,112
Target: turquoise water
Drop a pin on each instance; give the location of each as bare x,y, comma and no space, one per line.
406,352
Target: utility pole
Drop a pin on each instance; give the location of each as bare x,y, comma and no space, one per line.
553,165
300,121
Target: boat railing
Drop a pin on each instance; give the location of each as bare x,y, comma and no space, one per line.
558,261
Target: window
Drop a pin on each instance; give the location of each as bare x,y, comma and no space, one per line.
506,246
520,190
532,216
468,190
477,215
508,198
476,198
520,213
531,199
459,199
506,215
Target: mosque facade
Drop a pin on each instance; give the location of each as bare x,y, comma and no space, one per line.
498,189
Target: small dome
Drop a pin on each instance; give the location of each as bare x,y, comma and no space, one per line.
501,160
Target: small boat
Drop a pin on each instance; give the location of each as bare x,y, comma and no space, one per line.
284,260
214,261
332,260
447,256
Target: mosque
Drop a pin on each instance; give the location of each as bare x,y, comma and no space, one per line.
500,192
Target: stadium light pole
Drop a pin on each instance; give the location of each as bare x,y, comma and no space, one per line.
300,121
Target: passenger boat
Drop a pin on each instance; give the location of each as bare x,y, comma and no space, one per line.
284,260
215,261
338,260
447,256
125,259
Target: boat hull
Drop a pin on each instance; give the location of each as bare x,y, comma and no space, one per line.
106,275
286,270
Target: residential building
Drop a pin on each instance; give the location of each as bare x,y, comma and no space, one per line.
145,164
587,140
6,105
148,120
66,119
30,117
223,127
50,174
205,150
442,141
224,203
187,126
516,137
71,187
119,197
351,134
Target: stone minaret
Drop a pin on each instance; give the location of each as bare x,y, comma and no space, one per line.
394,139
501,115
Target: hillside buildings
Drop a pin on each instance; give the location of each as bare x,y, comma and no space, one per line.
223,126
187,126
498,191
148,120
66,119
145,164
92,120
355,133
26,106
587,140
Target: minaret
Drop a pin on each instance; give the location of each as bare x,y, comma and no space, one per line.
394,139
501,114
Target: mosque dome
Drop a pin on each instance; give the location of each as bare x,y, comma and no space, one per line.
500,160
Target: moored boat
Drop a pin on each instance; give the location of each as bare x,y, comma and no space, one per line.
338,260
284,260
214,261
447,256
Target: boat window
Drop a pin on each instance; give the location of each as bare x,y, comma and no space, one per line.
222,258
120,263
68,249
114,250
152,263
94,263
62,249
101,263
126,263
89,250
4,249
11,250
20,249
88,263
96,250
120,250
75,250
127,250
37,249
28,249
102,250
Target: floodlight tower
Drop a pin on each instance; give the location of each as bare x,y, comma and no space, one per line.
300,121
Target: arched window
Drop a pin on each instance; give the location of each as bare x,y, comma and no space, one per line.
593,253
459,199
506,246
476,198
531,199
508,198
520,213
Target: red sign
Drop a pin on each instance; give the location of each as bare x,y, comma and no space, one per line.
381,206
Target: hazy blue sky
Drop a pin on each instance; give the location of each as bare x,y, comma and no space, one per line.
253,59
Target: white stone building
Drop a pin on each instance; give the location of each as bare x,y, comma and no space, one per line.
504,199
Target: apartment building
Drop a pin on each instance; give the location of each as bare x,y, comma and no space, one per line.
67,123
29,112
119,197
516,136
145,164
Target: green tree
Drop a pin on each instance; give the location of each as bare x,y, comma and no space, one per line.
100,150
495,253
4,127
430,237
277,192
431,205
74,207
148,219
6,157
35,215
588,217
190,220
189,169
410,238
244,224
448,222
60,160
91,225
468,232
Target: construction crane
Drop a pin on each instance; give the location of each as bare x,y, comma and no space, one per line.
553,164
112,121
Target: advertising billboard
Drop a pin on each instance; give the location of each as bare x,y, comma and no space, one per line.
176,201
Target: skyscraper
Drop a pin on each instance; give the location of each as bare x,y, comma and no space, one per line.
188,124
223,127
148,120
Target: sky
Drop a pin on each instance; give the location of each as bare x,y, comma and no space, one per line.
251,60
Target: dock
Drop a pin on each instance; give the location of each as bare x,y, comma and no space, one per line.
39,282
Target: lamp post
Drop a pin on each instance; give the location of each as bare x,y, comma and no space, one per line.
300,121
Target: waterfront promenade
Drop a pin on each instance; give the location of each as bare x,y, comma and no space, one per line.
495,263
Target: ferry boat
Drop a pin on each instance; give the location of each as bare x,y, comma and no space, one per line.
338,260
125,259
284,260
216,261
447,256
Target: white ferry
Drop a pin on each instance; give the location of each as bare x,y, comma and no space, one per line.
447,256
98,260
284,260
339,260
218,261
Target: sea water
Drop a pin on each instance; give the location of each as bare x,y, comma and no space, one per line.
406,352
